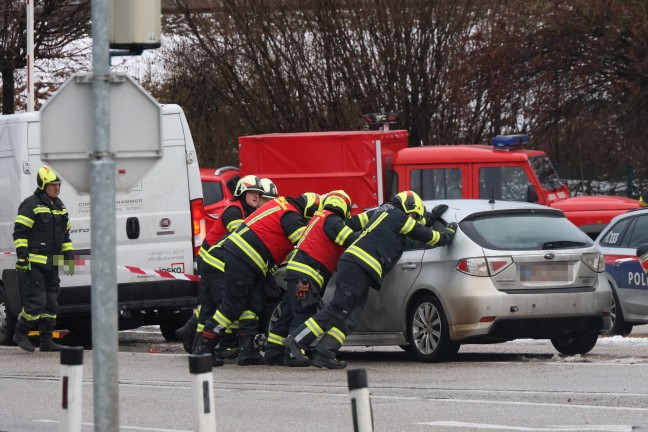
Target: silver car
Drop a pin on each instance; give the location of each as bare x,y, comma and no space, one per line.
514,270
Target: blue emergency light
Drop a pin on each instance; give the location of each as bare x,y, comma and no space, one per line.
504,141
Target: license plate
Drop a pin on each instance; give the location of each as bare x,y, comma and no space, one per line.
545,272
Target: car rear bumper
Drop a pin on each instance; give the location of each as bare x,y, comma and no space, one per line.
483,312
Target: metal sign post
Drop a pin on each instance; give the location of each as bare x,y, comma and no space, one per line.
105,342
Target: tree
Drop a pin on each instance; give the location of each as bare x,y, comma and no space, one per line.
59,26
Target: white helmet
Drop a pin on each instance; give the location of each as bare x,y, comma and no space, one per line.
248,183
269,188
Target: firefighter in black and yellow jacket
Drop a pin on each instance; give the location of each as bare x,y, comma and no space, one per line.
261,242
42,240
247,194
363,265
309,269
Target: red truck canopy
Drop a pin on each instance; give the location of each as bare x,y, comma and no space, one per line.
324,161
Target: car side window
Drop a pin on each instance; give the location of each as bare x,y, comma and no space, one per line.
231,184
503,183
212,192
614,237
639,232
439,183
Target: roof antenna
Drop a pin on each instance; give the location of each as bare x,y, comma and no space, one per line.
492,200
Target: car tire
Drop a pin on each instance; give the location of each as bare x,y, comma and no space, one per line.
7,322
427,331
170,321
619,325
576,343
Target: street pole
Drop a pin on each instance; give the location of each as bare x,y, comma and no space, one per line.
105,344
30,55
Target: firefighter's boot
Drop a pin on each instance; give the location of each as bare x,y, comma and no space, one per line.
45,328
196,341
20,335
324,353
298,344
206,342
291,361
248,354
274,354
187,332
228,345
297,355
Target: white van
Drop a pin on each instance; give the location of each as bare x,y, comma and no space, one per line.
160,226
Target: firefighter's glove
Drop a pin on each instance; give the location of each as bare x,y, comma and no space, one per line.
447,234
435,214
307,294
301,290
23,264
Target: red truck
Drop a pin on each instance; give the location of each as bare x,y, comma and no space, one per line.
371,166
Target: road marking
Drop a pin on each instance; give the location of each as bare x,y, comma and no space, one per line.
578,428
123,427
492,402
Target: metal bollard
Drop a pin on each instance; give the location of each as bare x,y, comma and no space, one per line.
360,403
642,254
202,393
71,381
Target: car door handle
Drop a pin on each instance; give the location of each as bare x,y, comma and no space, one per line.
408,266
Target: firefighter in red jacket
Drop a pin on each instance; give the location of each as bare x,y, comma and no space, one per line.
42,240
260,243
363,265
308,270
247,194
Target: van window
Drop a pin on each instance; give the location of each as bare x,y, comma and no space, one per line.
212,192
547,175
503,183
440,183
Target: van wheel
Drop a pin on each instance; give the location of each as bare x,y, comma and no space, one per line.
7,322
170,321
619,325
427,331
575,343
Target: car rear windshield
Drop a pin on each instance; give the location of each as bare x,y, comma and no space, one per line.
524,231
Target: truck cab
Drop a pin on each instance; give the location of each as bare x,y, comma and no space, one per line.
505,171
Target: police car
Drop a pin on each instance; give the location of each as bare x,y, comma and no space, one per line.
619,243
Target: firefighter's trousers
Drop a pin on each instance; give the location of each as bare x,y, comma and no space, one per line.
242,300
42,288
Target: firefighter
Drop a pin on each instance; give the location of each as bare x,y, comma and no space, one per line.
309,269
42,240
261,242
643,199
247,195
363,265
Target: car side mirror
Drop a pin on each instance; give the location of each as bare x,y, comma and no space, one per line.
531,194
642,254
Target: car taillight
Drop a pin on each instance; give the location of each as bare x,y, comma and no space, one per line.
483,266
595,261
197,223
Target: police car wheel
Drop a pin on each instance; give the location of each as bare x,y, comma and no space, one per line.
427,331
619,325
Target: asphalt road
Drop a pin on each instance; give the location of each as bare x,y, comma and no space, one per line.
517,386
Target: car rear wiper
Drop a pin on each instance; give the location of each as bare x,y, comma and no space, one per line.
559,244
